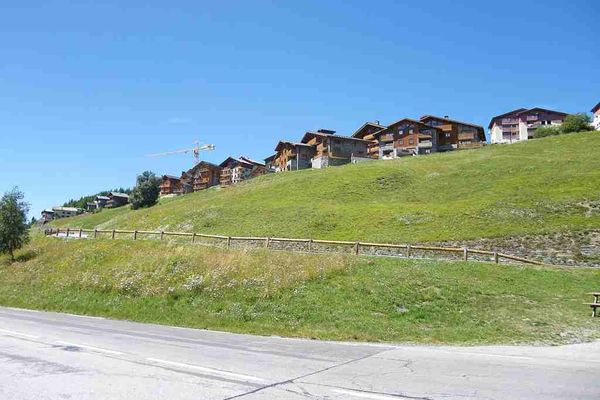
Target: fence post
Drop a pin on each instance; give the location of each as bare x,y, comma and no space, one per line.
68,231
57,231
134,235
267,241
113,234
228,241
161,235
95,233
496,257
408,250
193,237
80,230
310,244
465,253
356,247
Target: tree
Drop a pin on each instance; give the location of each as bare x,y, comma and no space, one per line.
14,229
146,191
576,123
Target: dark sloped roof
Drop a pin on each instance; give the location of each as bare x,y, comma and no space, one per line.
117,194
373,124
521,111
426,117
596,108
169,177
308,135
284,142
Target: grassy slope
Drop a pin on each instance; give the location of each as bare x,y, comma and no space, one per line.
532,187
332,296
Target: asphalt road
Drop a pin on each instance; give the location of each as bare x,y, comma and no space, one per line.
60,356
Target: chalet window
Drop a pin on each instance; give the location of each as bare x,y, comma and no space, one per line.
448,134
411,131
411,141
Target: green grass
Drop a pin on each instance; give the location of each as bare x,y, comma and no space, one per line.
539,186
318,296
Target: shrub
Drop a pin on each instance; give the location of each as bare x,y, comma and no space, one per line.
576,123
14,228
545,131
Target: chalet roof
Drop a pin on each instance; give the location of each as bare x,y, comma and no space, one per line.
69,209
270,158
173,177
596,108
123,195
251,161
412,121
102,198
520,111
48,211
309,135
284,142
373,124
426,117
235,160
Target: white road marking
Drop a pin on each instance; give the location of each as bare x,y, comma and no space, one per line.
365,395
22,309
491,355
84,316
98,349
211,371
18,334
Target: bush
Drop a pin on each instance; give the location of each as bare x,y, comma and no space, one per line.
14,228
545,131
576,123
146,191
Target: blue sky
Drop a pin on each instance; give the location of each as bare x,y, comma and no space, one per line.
88,89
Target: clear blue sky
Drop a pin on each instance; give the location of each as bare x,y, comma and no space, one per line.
88,88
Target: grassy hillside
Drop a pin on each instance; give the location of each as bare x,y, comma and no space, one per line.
540,186
333,296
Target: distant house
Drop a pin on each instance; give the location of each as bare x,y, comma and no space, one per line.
406,137
101,201
455,135
170,185
368,128
205,175
292,156
235,170
91,206
47,215
66,212
331,149
596,120
258,168
520,124
270,163
117,199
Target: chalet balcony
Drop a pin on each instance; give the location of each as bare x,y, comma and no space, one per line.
510,130
388,137
508,121
426,144
466,136
532,118
387,147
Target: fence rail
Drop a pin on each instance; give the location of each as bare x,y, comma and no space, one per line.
355,246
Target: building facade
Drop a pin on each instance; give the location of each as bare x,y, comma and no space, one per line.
455,135
406,137
331,149
170,185
520,124
596,117
292,156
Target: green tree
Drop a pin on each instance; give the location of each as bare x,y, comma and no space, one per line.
146,191
14,229
576,123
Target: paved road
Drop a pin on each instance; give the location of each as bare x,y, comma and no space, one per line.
59,356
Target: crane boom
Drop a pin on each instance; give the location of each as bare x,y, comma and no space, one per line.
194,150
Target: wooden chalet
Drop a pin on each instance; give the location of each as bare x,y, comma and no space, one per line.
117,199
170,185
368,128
456,135
402,138
258,168
270,163
202,176
292,156
235,170
331,149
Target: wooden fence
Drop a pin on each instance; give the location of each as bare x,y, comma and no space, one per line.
267,242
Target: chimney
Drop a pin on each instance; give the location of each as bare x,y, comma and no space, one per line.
377,122
445,117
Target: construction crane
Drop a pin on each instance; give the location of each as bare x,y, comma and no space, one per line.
194,150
